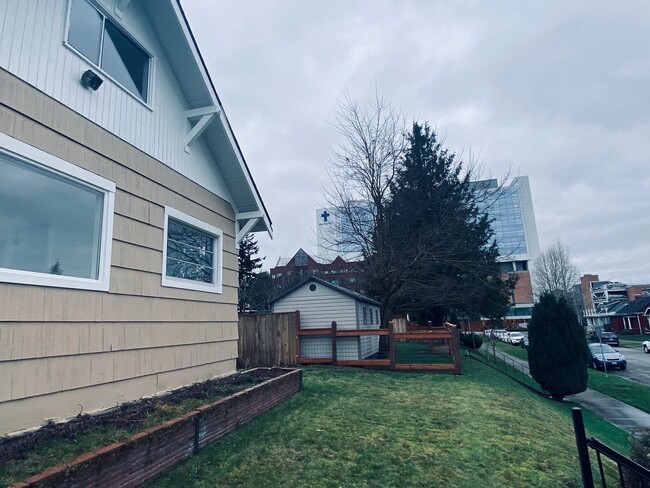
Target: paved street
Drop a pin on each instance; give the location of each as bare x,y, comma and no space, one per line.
638,365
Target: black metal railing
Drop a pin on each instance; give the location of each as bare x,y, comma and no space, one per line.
627,469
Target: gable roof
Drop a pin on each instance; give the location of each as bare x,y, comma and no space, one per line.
634,307
340,289
168,19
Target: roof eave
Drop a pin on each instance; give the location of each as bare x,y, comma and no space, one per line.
264,224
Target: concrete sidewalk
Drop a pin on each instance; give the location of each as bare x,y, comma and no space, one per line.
620,414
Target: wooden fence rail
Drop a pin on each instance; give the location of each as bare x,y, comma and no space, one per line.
274,340
448,333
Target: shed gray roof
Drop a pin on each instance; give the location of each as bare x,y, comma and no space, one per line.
340,289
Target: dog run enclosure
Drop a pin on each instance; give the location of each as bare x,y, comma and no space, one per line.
280,339
398,347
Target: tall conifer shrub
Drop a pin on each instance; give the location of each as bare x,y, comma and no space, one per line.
557,353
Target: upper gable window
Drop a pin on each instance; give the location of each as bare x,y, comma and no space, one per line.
103,43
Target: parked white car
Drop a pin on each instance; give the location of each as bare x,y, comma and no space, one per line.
646,346
514,338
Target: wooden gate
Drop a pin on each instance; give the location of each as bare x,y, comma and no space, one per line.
268,339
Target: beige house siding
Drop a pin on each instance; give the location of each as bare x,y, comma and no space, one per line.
63,350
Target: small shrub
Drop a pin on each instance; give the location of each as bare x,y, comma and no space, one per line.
626,332
639,452
471,340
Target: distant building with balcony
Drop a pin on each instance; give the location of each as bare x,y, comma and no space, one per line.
613,305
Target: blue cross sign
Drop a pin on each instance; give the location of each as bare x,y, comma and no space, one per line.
325,215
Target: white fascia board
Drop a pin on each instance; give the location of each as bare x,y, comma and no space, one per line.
248,215
251,219
249,180
224,120
200,112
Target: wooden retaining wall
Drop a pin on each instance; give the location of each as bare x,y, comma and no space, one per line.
148,453
269,339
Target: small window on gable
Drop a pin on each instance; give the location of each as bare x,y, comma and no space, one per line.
104,44
192,254
376,316
301,258
365,316
55,220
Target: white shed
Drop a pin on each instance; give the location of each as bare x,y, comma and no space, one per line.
320,303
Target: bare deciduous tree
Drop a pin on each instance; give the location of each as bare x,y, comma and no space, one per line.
554,272
362,169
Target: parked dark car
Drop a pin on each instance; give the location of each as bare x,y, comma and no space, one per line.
603,355
608,338
524,343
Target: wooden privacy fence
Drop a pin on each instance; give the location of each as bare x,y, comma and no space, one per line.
269,339
400,347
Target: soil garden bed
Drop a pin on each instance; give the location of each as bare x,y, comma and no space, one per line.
191,408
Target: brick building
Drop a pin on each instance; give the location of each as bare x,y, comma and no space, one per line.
613,305
290,271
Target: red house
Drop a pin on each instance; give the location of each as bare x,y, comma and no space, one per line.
633,316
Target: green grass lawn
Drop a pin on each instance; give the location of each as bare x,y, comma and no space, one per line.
374,428
407,352
627,391
632,341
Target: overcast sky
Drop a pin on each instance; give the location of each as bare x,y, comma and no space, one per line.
558,91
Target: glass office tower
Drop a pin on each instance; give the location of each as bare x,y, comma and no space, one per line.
511,208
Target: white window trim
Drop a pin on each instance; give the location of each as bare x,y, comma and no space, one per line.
31,155
148,104
170,281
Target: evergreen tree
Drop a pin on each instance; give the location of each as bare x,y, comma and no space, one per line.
249,263
441,238
261,292
56,268
557,354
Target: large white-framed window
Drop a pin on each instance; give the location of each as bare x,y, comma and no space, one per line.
192,253
104,43
56,220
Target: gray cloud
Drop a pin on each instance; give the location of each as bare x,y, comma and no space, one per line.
556,91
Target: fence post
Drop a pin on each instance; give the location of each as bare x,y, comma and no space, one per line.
197,432
297,327
583,450
454,347
334,343
391,345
